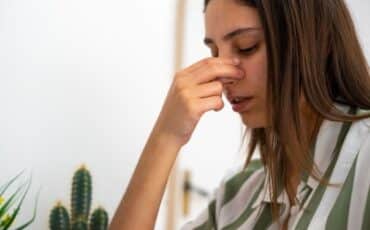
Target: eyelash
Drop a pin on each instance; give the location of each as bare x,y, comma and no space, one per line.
247,50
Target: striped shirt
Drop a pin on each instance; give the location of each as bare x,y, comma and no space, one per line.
341,152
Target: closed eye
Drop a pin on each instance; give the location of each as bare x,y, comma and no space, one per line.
248,50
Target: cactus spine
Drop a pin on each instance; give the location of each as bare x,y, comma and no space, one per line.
99,219
59,218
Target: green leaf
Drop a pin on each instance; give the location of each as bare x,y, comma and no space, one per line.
16,211
33,216
10,201
4,187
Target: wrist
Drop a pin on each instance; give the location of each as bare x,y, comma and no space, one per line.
160,138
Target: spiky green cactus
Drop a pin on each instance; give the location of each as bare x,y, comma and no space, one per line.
81,195
79,224
80,207
59,218
99,219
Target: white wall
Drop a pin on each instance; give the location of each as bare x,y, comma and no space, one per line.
360,14
83,82
80,82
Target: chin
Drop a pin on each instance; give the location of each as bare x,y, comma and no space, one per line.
253,121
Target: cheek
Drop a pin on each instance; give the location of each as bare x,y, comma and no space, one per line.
256,73
256,80
258,67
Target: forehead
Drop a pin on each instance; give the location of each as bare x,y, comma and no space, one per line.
223,16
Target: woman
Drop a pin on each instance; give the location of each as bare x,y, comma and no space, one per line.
296,74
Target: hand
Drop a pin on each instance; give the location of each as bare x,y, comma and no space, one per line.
194,91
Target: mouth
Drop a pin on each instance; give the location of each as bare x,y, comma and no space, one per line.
240,104
237,100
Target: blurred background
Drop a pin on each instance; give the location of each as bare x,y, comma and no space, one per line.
82,82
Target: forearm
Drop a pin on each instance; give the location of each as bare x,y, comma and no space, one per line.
139,206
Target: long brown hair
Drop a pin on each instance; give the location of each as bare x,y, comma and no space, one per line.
312,49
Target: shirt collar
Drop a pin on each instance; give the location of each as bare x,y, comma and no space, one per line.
264,195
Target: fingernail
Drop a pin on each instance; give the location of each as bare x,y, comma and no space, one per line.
236,61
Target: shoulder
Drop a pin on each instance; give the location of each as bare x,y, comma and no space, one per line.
358,135
346,108
362,125
240,179
241,174
357,142
365,121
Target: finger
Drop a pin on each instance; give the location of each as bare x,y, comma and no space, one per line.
211,103
215,72
226,80
213,88
212,60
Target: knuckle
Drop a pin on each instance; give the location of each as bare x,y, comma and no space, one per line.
179,85
213,68
208,61
219,103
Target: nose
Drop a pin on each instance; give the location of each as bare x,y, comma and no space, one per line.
228,84
226,53
229,80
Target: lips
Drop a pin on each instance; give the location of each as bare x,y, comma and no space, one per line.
244,105
240,103
237,99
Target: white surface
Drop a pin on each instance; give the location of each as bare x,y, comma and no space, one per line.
80,82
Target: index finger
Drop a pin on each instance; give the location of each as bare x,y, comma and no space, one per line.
212,72
212,60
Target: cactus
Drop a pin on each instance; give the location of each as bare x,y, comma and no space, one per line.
79,224
81,194
99,219
59,218
80,207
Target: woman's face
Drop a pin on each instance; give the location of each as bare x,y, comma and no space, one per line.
234,30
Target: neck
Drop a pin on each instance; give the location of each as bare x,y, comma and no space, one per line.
311,122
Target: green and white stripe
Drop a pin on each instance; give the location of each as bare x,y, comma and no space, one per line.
342,154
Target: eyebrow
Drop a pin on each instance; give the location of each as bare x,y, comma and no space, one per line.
232,34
